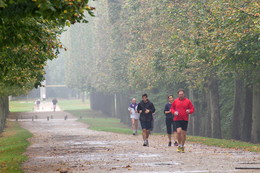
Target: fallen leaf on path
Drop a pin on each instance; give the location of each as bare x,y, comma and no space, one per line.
128,166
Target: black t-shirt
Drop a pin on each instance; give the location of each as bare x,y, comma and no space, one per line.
143,106
54,101
167,108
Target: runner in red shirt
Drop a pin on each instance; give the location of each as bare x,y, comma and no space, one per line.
181,108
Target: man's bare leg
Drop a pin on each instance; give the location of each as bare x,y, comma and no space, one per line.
179,135
170,137
147,134
144,133
183,137
175,136
133,125
136,125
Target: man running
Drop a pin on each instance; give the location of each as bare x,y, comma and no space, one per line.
146,109
134,115
54,102
181,108
170,124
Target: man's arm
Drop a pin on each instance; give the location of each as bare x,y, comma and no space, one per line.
167,110
173,108
191,107
152,108
139,108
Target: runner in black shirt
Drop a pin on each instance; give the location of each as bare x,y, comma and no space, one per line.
146,109
170,125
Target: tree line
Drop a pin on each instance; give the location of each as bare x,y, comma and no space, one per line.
210,48
29,36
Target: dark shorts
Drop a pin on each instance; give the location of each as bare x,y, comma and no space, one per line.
146,124
170,125
182,124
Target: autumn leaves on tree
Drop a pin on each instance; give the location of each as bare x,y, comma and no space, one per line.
29,31
159,46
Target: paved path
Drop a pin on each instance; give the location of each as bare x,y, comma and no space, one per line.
68,146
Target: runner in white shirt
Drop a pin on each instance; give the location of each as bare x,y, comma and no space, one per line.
134,115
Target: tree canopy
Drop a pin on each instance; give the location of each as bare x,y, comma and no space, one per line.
29,36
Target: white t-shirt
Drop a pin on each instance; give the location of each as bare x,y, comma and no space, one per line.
132,109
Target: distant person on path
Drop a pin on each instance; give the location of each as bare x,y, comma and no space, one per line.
54,102
134,115
170,124
146,109
38,102
181,108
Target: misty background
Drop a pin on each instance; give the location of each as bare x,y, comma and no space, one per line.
157,47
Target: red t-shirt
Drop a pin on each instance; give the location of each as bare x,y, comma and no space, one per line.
181,106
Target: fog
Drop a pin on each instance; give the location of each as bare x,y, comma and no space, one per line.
131,48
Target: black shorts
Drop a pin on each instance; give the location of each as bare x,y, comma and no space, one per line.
182,124
170,125
146,124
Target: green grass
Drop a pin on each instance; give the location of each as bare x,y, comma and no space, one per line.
21,106
13,143
107,125
73,104
224,143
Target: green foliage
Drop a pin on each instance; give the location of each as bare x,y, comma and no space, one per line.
29,37
13,144
143,45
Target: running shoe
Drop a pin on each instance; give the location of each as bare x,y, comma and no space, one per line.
176,143
169,144
182,150
179,149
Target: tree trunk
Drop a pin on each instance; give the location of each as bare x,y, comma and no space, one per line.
207,114
197,114
122,104
83,96
255,133
191,124
4,110
237,109
215,108
247,121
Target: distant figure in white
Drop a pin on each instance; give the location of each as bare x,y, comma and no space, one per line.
54,102
134,115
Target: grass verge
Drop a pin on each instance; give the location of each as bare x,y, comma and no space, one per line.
13,143
225,143
98,121
21,106
73,104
